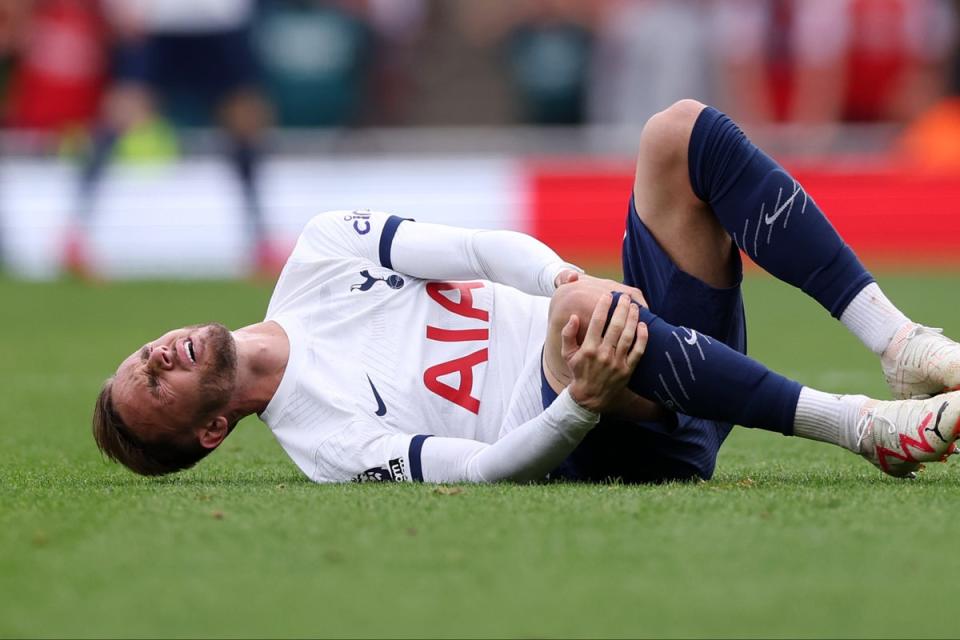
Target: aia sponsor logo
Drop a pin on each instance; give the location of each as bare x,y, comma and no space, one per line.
475,340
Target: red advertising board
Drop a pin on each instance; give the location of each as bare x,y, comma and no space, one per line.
887,215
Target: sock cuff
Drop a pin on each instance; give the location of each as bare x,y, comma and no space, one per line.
873,318
827,417
817,415
838,281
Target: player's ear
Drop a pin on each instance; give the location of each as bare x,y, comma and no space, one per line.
212,432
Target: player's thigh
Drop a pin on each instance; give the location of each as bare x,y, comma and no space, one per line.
683,224
646,452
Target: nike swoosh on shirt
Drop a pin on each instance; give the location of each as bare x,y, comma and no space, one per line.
381,408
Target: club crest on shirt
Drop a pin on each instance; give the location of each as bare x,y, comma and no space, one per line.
395,471
393,281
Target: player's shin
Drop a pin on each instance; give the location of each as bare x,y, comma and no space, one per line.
774,221
692,373
769,215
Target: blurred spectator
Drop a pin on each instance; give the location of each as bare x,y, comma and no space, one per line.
58,63
197,59
546,47
548,53
932,141
649,55
52,64
318,57
400,26
741,29
826,61
339,62
12,16
456,77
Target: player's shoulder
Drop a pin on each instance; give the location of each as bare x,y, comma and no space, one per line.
340,232
358,221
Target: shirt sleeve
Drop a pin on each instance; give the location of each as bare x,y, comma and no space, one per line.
348,234
526,454
433,251
365,452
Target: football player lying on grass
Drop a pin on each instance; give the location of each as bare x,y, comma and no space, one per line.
399,350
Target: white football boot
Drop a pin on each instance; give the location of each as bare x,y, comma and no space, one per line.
921,362
897,436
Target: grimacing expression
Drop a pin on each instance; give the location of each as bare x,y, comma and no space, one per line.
175,382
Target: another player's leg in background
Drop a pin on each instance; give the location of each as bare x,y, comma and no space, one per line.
244,117
775,222
126,105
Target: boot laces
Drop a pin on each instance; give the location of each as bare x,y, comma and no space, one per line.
868,420
930,353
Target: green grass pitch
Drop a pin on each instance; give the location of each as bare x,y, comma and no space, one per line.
790,539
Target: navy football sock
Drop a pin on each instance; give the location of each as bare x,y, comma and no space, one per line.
769,215
102,145
692,373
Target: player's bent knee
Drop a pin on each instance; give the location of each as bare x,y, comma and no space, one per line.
571,300
685,109
682,114
666,134
567,301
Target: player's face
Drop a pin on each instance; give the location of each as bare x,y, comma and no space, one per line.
178,380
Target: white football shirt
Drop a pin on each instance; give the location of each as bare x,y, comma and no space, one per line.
380,359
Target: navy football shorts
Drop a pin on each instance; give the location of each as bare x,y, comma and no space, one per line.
205,66
683,447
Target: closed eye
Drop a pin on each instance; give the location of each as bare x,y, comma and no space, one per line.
153,384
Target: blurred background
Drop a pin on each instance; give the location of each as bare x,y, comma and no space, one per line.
194,138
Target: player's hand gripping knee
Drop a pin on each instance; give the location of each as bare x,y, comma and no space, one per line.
599,285
602,364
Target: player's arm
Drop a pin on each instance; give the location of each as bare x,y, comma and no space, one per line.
527,453
601,365
433,251
439,252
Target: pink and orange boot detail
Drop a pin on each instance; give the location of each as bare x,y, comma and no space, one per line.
899,436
